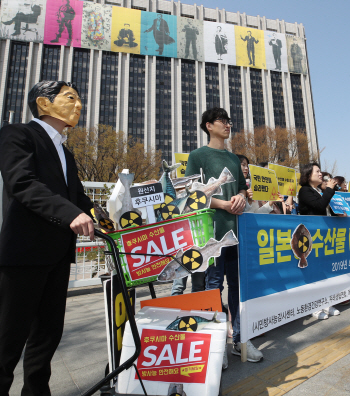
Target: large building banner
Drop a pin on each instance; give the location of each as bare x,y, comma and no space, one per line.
296,55
63,22
23,21
276,51
96,26
126,30
289,267
219,39
250,47
190,39
158,34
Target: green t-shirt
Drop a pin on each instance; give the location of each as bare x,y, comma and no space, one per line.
212,162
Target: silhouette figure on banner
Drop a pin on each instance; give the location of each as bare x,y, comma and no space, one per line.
191,33
220,42
276,50
126,37
161,33
297,56
65,16
251,41
25,18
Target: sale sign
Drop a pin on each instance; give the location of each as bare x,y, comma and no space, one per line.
165,239
173,356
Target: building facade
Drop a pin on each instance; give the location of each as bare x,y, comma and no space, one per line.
157,99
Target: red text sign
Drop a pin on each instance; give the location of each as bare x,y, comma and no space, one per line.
173,356
164,239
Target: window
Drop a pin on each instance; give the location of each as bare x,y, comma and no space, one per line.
81,63
235,93
109,88
257,97
277,98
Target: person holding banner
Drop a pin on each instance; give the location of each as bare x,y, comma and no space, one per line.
314,201
212,159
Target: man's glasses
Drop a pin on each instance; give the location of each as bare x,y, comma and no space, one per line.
224,121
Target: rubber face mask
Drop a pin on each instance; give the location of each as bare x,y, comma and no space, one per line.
66,106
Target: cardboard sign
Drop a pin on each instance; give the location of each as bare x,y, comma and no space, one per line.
165,239
181,158
263,184
173,356
287,181
298,180
338,205
150,194
209,300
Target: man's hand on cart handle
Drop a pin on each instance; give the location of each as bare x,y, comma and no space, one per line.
83,225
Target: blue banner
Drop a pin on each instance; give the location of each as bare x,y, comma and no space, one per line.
290,266
339,206
158,34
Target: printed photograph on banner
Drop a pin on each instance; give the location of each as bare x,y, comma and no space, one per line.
263,184
24,21
158,34
126,30
276,51
63,22
296,55
219,39
190,39
250,47
287,183
96,26
181,158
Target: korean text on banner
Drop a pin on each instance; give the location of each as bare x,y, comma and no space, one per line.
171,356
263,184
339,206
274,288
287,183
181,158
165,239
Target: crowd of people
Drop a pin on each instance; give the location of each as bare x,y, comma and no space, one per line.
317,189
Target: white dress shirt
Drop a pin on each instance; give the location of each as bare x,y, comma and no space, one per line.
57,140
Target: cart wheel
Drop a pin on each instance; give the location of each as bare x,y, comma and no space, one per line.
188,323
192,259
130,219
197,200
169,210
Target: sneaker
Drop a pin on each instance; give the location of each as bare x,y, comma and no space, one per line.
331,311
320,315
225,359
253,354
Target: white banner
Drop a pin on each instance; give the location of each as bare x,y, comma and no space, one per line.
276,51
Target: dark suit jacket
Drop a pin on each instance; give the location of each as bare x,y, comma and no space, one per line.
312,203
38,206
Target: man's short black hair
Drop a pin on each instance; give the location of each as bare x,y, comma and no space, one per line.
211,115
46,89
263,164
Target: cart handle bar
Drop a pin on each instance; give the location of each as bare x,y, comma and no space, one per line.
127,364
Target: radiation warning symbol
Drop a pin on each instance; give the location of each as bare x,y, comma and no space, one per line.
106,224
169,210
197,200
188,323
303,243
274,194
130,219
192,259
167,199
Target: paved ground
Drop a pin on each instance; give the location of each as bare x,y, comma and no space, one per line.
305,357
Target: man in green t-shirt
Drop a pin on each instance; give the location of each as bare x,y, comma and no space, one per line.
212,159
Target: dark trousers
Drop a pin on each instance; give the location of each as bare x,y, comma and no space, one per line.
228,261
32,308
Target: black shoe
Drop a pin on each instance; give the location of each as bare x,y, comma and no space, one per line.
54,41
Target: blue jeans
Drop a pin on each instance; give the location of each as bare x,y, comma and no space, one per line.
198,284
215,280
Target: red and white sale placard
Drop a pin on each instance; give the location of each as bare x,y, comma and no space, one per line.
173,356
165,239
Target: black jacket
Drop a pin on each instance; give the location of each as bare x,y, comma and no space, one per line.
38,206
312,203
